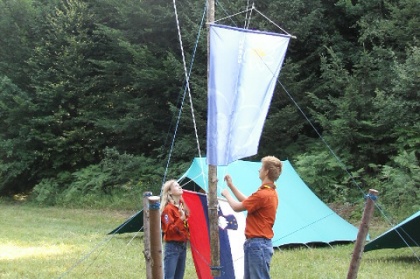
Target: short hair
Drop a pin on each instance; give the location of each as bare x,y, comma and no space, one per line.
274,167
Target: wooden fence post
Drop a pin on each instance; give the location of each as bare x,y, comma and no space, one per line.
146,234
155,237
361,236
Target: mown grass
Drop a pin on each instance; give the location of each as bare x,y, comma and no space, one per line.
74,243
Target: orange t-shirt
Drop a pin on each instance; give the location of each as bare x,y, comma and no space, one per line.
173,227
261,206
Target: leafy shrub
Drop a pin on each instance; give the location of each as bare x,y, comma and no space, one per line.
46,191
322,173
118,178
401,183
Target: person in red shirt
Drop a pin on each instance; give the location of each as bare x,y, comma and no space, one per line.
261,209
174,221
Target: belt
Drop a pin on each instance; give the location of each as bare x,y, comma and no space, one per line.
177,242
257,238
263,238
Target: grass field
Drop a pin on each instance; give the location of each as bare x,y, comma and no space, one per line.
74,243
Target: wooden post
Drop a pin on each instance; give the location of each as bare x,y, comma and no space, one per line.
155,238
146,234
212,171
361,236
214,222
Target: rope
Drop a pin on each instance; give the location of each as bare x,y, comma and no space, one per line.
248,15
187,77
248,18
384,215
343,166
99,245
275,24
183,98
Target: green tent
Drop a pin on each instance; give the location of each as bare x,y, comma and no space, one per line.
302,218
132,224
405,234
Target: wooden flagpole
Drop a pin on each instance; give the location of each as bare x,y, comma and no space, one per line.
212,171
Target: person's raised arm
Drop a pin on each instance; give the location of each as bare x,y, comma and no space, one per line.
236,206
241,197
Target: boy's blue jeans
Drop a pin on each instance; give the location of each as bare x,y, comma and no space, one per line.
174,259
258,253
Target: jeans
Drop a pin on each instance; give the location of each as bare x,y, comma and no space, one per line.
174,259
258,253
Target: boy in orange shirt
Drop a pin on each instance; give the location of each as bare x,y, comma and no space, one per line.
261,206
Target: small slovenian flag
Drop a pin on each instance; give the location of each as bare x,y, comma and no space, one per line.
231,237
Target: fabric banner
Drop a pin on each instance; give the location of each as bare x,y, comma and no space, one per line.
231,237
243,71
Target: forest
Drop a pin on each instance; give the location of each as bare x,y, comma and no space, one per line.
91,95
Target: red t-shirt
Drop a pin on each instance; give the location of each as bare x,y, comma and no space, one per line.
173,227
261,206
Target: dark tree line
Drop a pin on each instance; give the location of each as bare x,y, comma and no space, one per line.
90,93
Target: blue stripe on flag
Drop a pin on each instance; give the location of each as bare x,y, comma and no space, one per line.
226,260
232,238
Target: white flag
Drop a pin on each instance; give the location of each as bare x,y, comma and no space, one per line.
244,67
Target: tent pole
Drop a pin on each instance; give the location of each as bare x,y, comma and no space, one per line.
155,238
146,234
212,171
361,236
